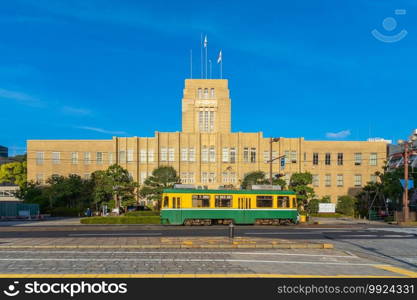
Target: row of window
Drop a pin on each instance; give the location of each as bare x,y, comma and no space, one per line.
357,159
206,120
204,93
357,180
225,201
208,154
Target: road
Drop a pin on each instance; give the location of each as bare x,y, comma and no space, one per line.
359,250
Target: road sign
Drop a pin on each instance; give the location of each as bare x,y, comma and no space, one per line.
410,184
327,207
282,163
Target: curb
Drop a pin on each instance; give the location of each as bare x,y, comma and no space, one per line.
176,246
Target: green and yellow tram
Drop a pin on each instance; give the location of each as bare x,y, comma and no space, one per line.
207,207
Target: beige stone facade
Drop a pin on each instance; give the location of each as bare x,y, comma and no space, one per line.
207,153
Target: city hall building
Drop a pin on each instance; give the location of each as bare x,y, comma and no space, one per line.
207,153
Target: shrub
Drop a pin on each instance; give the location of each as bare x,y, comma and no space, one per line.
346,205
67,212
121,220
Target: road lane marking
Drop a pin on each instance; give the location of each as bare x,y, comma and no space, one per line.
187,260
397,270
283,233
201,275
182,252
113,234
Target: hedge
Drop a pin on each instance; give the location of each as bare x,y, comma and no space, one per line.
327,215
122,220
66,212
141,213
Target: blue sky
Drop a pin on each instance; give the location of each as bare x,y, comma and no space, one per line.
94,69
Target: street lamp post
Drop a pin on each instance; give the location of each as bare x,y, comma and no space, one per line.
271,140
408,146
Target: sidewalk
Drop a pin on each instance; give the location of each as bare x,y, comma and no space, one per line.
159,243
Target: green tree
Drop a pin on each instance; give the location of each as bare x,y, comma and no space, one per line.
115,182
346,205
259,177
162,178
15,173
299,183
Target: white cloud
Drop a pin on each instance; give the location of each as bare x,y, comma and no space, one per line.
101,130
75,111
19,97
338,135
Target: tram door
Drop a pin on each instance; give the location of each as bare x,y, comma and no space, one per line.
176,205
244,204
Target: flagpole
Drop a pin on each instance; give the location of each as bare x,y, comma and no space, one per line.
201,54
210,67
206,57
191,63
221,69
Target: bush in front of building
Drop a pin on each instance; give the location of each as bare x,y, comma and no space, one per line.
67,212
122,220
346,205
141,213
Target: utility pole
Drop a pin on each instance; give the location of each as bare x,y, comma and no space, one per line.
271,140
406,211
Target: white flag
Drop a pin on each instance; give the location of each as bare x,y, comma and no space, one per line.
219,60
205,41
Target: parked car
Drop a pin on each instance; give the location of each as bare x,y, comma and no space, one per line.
137,207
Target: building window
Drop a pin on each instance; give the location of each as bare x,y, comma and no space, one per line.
358,180
201,120
253,155
39,158
142,155
87,176
110,158
225,155
328,180
223,201
164,154
87,157
201,200
187,177
340,159
212,178
212,93
316,180
211,121
200,93
99,158
184,154
327,159
39,179
191,154
358,159
74,158
151,155
373,178
206,93
246,154
264,201
373,158
129,155
287,156
339,179
232,155
204,177
204,154
122,156
315,158
56,157
212,154
171,154
294,156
